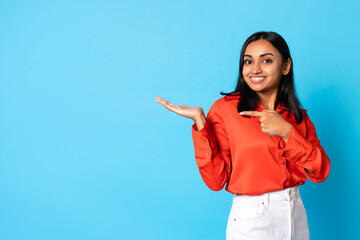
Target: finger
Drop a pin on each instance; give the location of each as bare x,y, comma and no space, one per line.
159,99
184,105
251,113
164,102
172,109
170,104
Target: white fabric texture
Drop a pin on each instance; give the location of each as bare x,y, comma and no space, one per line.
274,215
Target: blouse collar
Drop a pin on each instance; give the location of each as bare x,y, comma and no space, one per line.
279,109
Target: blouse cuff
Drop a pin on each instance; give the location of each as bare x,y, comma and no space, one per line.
296,149
202,141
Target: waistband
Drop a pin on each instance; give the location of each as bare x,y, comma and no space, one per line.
287,194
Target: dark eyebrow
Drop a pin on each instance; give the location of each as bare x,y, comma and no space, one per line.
262,55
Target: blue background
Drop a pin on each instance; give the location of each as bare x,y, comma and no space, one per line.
87,153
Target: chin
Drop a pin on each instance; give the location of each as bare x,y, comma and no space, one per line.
257,89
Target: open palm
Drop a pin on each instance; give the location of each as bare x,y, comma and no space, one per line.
183,110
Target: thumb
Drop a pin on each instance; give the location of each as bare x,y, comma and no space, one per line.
184,105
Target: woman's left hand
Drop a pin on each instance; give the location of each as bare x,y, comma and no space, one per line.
272,123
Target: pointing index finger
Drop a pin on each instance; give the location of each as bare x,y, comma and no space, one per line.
251,113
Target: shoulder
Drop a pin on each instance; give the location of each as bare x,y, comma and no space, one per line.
231,99
232,96
225,104
305,114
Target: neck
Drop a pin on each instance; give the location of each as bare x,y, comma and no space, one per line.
267,100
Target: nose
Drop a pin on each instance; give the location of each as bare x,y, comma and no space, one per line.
256,68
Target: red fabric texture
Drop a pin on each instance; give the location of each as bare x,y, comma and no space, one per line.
233,150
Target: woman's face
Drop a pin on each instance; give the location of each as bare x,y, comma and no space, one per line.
263,67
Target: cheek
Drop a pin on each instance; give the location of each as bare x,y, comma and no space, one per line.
273,71
246,70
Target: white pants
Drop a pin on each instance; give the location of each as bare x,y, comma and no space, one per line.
273,215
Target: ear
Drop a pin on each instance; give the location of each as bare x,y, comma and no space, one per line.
286,67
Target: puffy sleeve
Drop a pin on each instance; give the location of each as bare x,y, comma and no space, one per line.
307,152
212,150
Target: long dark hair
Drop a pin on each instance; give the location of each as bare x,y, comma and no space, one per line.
286,92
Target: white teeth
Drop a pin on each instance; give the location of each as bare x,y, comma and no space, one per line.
259,78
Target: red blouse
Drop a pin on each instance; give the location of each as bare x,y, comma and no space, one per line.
233,150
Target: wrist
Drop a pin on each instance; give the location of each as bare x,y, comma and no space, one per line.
287,131
199,118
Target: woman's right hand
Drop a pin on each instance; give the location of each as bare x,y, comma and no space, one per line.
195,113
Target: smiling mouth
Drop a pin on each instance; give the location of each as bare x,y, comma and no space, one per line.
257,79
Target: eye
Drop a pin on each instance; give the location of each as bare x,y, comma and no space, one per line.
247,62
267,61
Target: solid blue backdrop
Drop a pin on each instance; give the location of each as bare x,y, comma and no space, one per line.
87,153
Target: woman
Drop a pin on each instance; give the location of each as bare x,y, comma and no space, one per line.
260,143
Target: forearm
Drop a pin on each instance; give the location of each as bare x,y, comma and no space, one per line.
286,132
199,121
308,155
214,166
